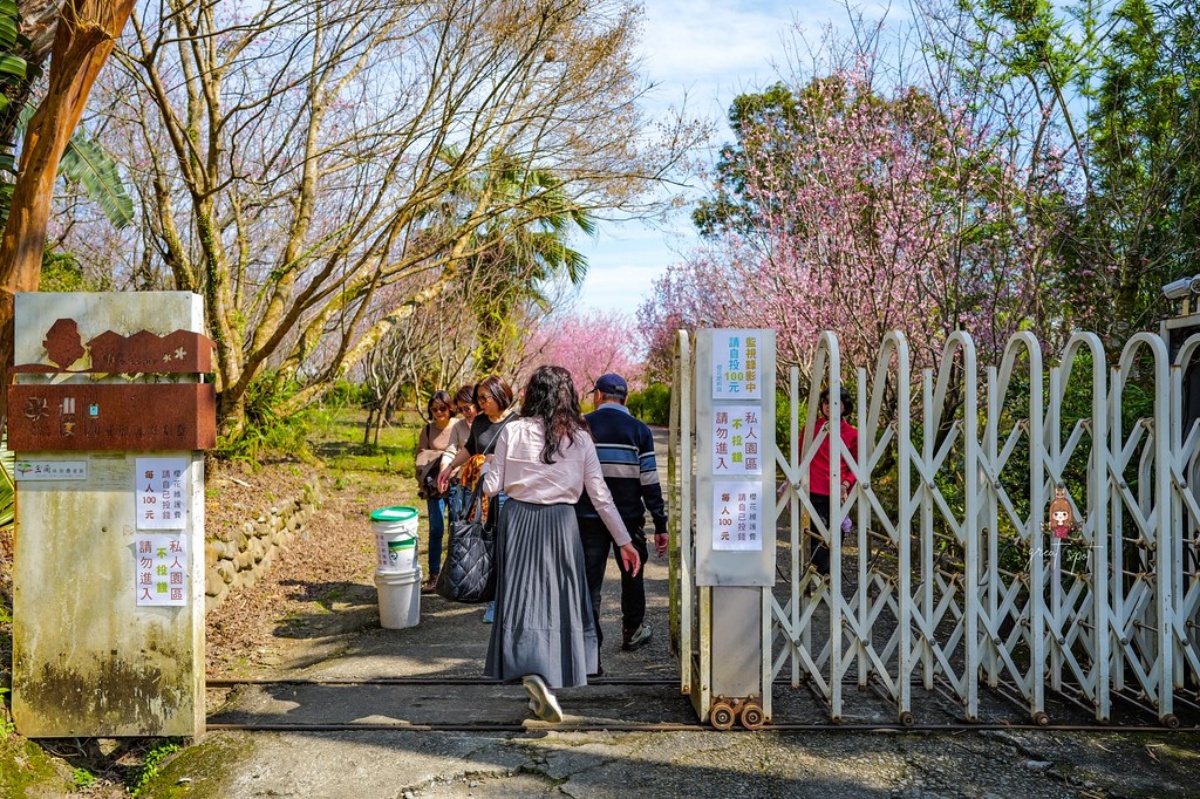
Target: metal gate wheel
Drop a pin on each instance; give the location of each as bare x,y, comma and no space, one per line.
721,716
753,717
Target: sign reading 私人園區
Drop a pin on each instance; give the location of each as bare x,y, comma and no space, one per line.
161,577
737,438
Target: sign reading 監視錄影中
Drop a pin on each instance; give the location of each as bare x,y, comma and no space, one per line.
735,366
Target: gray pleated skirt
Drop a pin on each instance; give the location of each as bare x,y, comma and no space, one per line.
543,619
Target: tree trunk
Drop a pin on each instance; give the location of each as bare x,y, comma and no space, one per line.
87,31
231,415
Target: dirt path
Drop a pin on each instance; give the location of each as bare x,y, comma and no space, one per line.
318,589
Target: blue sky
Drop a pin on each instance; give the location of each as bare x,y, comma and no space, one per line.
708,51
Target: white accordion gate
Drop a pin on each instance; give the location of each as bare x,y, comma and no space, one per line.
950,577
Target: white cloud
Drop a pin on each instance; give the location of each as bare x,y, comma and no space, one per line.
710,40
623,262
710,50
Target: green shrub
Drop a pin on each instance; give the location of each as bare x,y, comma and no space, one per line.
7,487
652,405
61,272
154,758
783,419
266,429
7,727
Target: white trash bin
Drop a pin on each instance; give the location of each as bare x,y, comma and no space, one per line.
399,598
395,538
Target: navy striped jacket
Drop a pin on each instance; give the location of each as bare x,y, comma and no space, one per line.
625,447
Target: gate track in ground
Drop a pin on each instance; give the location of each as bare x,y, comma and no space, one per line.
541,727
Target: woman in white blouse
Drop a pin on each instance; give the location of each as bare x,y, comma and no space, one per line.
544,633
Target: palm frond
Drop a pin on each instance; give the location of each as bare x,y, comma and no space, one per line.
8,462
87,165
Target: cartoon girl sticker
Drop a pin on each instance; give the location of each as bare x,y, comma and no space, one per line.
1062,519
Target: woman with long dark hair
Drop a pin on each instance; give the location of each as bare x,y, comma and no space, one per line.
544,633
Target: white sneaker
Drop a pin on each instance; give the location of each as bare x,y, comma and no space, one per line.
542,701
637,638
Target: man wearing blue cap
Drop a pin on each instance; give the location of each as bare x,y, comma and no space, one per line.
625,447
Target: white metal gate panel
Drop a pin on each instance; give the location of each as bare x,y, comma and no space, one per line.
950,576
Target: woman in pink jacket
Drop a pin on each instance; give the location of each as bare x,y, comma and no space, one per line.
544,633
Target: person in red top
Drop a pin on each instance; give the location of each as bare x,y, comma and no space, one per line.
819,488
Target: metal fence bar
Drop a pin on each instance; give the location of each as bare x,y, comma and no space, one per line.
955,577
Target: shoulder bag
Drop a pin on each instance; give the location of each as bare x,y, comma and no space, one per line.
469,571
427,472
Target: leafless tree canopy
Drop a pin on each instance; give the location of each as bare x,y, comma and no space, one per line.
317,169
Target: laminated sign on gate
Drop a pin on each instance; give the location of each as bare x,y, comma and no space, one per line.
737,513
735,364
736,457
737,440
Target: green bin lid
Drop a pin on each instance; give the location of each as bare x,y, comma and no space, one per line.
398,513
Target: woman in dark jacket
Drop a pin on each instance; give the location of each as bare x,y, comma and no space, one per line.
494,400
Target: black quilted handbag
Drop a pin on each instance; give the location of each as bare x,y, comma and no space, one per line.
469,572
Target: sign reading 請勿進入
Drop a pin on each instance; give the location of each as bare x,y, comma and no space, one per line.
162,504
737,436
161,569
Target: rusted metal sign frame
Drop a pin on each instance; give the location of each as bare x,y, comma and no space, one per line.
136,417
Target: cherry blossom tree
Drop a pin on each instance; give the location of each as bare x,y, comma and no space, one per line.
586,343
847,208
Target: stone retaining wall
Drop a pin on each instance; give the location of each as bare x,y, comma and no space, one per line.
236,556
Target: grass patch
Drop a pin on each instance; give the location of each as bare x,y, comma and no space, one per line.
198,772
150,764
338,442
